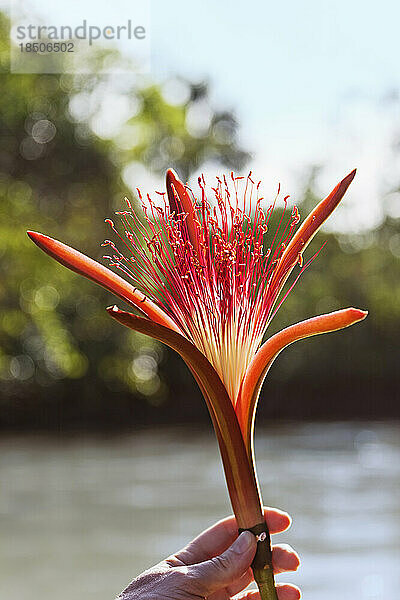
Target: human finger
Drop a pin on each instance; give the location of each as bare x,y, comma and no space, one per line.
219,537
285,591
219,572
284,558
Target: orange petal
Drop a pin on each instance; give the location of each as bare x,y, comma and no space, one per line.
180,201
259,366
306,232
79,263
239,471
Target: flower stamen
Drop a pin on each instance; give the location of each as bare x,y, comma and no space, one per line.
207,265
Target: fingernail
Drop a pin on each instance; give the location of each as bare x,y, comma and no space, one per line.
244,542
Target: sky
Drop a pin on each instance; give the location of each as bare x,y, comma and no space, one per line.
313,82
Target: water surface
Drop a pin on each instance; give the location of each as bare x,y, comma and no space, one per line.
81,516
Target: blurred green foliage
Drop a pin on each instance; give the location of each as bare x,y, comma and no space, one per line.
351,372
63,168
57,344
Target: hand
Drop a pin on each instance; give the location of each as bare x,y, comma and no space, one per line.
216,566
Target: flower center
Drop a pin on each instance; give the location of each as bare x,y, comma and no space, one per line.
209,267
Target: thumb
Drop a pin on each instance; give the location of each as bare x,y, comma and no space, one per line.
222,570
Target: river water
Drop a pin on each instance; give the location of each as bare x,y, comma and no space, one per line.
81,516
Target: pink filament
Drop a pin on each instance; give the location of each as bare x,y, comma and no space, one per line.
217,290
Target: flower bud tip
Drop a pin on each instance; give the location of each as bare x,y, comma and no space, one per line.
359,313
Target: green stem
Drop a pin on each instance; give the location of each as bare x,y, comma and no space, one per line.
262,563
265,583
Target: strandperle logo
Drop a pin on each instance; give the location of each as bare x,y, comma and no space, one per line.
84,31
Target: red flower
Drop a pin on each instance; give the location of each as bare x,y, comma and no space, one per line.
208,287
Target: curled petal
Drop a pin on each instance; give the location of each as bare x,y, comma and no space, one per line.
181,202
79,263
239,471
293,253
259,366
